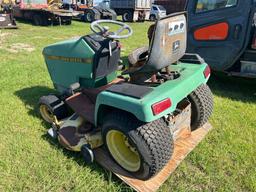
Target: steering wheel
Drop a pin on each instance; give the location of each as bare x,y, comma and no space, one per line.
97,27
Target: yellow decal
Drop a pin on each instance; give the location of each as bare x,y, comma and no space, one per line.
69,59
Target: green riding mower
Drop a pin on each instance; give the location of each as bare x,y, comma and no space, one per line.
131,114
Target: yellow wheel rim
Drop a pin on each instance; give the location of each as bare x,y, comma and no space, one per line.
121,150
46,113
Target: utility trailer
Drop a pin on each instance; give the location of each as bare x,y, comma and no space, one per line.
40,13
135,10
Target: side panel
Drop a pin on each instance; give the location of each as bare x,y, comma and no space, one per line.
142,4
133,4
124,4
69,62
192,76
172,6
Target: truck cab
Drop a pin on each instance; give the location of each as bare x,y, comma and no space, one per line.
156,12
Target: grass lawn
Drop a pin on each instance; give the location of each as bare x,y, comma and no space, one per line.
31,161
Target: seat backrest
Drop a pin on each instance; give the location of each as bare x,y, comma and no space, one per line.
168,44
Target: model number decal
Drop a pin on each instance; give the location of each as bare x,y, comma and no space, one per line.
69,59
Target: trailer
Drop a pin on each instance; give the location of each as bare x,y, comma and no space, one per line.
135,10
40,13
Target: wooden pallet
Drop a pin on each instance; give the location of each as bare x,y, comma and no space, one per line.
184,144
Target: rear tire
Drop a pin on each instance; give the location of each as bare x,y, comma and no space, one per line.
128,16
202,106
137,55
143,149
50,106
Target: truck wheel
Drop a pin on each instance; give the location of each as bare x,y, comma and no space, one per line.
128,16
37,20
50,106
152,17
89,16
202,106
141,149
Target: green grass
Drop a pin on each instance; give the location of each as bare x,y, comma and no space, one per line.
31,161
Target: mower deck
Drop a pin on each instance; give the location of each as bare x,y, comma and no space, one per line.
184,144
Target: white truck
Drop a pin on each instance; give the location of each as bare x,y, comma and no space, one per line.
157,12
132,10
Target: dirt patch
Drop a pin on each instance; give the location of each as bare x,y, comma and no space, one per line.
38,37
18,47
4,36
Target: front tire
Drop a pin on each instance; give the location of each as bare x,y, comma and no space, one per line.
143,149
202,106
152,17
50,106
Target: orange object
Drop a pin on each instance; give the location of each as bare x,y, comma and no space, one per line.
216,32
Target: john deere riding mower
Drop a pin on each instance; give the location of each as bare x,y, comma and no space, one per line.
128,114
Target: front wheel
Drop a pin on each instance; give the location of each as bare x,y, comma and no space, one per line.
90,16
152,17
202,106
142,149
50,106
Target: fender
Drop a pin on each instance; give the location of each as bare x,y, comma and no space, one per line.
191,77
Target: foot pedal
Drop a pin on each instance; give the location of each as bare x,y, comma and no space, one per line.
52,133
87,154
